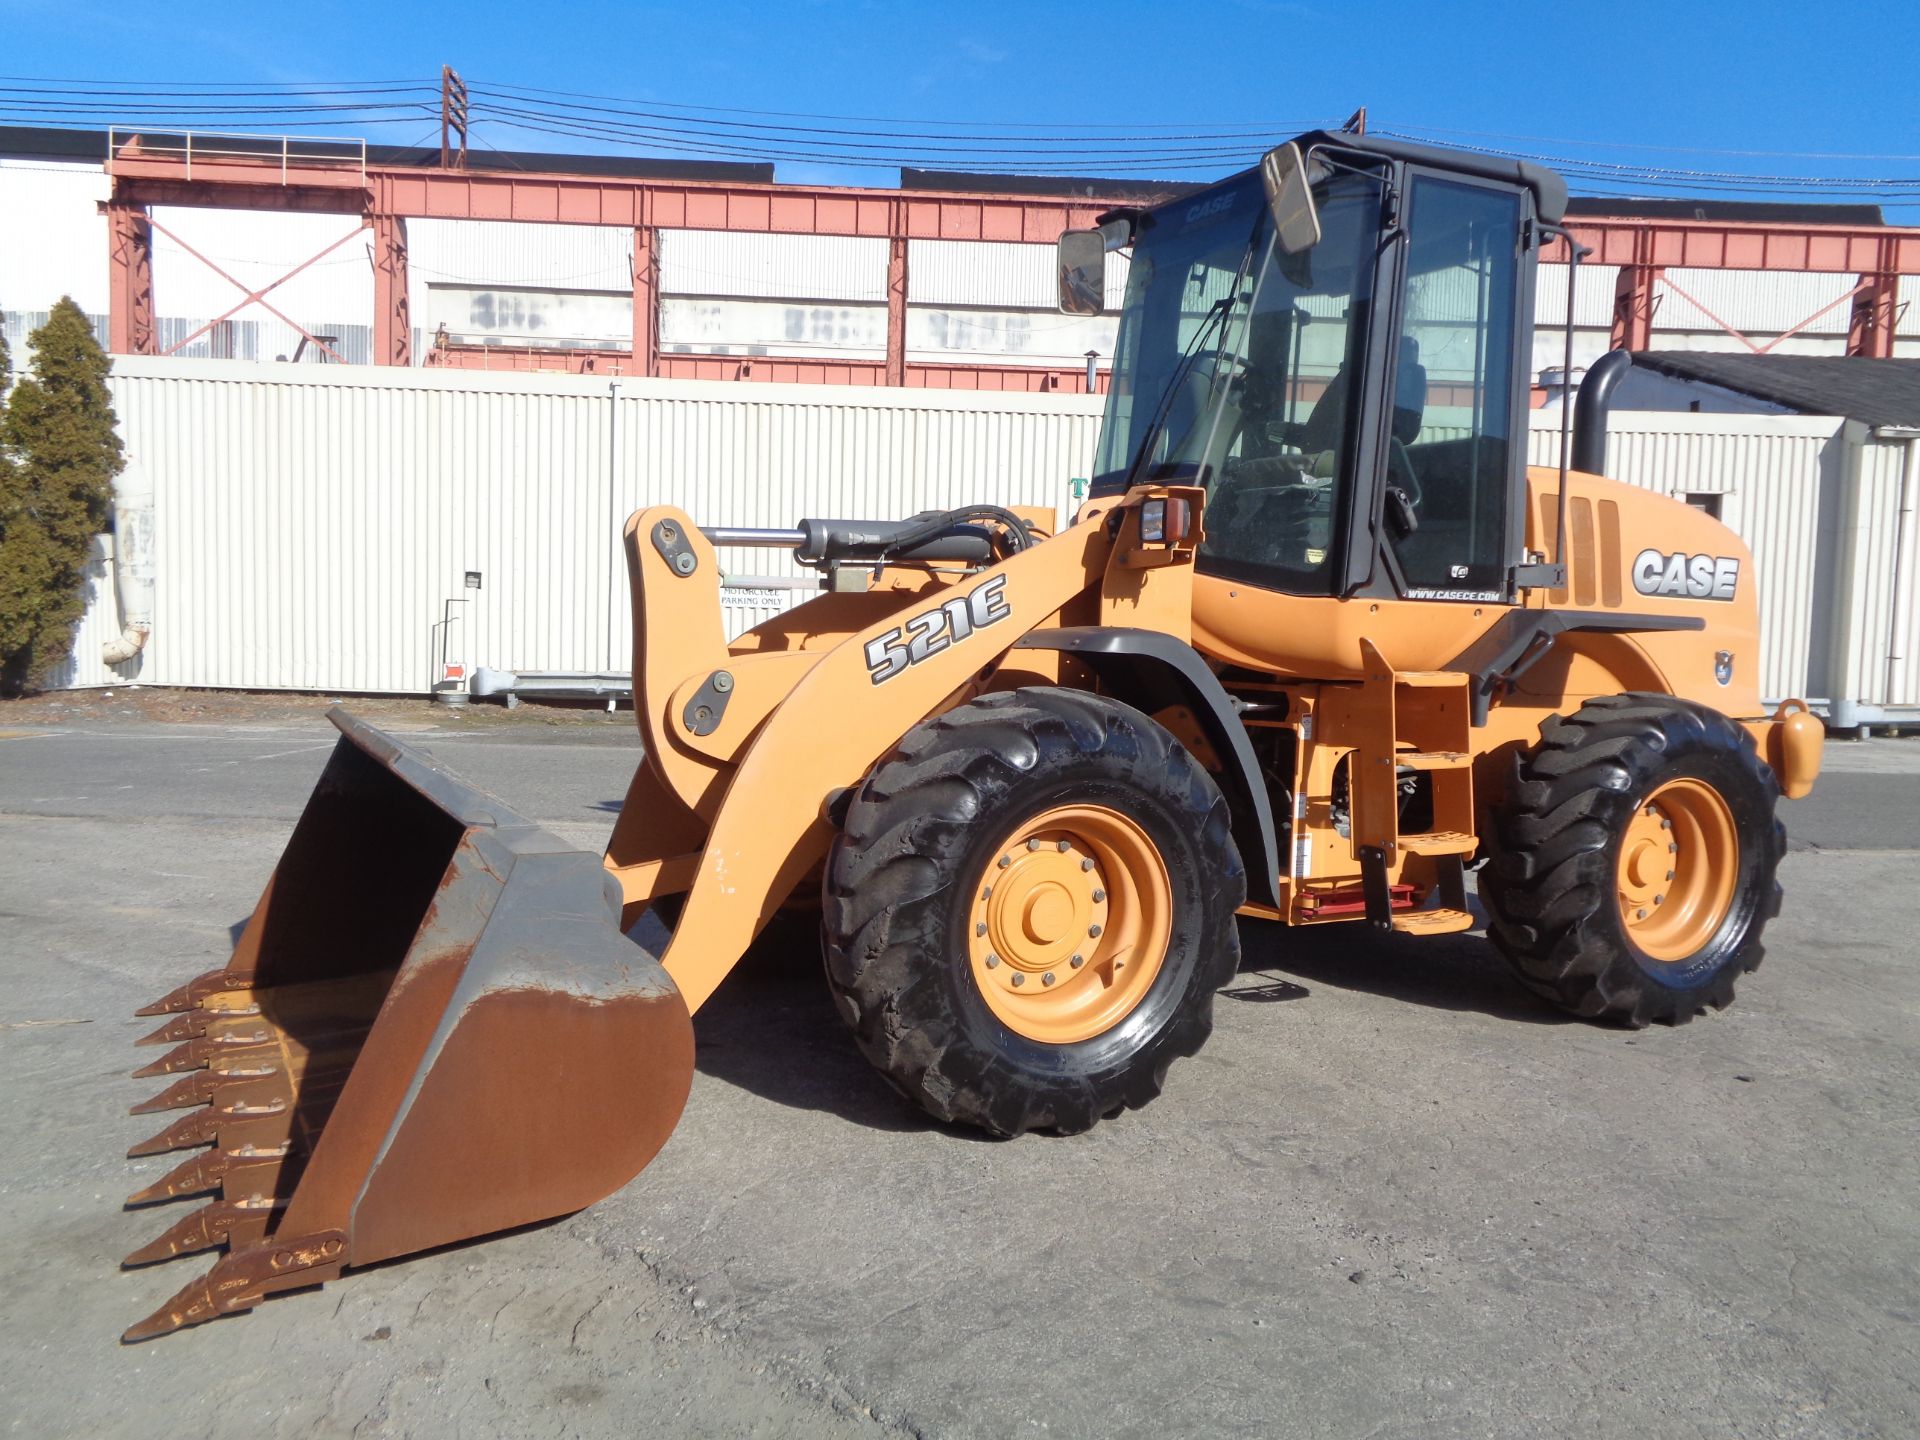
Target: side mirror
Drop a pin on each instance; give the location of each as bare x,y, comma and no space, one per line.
1083,272
1296,223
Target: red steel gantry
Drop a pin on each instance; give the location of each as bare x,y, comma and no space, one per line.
385,197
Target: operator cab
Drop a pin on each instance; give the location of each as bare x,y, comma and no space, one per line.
1350,385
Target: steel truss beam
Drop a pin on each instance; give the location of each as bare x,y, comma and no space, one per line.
386,196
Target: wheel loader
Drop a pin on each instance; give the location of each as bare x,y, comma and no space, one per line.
1317,643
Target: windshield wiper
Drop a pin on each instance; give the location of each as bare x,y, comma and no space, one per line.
1216,312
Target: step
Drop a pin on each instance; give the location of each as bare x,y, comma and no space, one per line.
1433,922
1440,842
1432,759
1430,679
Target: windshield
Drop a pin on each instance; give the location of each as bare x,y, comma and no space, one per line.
1185,260
1231,371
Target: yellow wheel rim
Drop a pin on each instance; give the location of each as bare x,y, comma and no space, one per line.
1678,869
1069,923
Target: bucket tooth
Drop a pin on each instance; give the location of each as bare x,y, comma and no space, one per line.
188,1131
194,1176
194,1304
212,1169
190,1056
243,1279
220,1222
221,1039
190,995
188,1026
224,1009
196,1089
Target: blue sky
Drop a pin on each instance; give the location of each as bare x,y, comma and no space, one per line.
1672,84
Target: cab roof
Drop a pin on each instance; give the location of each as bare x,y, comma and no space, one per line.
1549,190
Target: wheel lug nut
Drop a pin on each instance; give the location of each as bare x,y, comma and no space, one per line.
1093,932
1099,896
1033,844
1005,861
1669,874
980,929
1077,961
1665,824
1047,979
1672,849
987,893
1018,980
1063,847
1086,864
1639,914
1659,899
994,960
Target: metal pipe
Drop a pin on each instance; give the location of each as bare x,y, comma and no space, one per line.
746,535
510,685
1575,253
1902,562
1590,410
133,562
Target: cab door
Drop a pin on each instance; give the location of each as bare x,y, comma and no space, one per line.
1457,371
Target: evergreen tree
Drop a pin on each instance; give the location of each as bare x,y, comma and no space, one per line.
56,491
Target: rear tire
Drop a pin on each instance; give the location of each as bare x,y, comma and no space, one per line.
1074,792
1633,860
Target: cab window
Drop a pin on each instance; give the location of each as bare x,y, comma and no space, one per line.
1453,381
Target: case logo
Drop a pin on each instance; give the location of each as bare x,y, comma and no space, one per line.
1696,577
932,631
1207,209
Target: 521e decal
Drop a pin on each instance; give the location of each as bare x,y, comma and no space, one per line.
932,631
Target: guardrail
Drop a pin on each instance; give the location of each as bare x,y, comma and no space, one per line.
228,146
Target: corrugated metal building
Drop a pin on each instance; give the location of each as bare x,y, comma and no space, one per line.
312,525
540,287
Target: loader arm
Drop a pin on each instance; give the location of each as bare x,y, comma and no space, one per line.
845,712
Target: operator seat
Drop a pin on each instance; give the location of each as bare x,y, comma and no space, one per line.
1322,429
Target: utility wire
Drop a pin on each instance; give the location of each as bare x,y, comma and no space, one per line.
1005,147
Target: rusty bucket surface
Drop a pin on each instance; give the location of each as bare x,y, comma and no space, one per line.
431,1028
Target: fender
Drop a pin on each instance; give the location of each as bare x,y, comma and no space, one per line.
1150,669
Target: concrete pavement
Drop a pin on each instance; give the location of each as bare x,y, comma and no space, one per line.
1395,1195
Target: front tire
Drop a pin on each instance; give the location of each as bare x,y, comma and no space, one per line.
1029,909
1634,858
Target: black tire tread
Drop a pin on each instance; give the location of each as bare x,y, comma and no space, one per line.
900,843
1549,880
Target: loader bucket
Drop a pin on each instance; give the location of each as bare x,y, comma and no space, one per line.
431,1028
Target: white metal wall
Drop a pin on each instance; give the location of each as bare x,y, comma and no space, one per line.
789,267
1866,627
53,238
311,524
